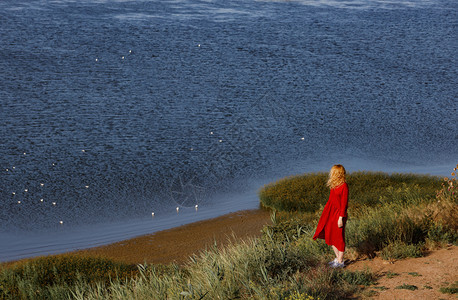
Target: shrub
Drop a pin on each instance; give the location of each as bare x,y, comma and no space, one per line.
441,234
443,223
374,229
400,250
449,190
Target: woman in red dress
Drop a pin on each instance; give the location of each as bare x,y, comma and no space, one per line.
331,226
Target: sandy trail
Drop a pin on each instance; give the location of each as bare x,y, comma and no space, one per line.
430,273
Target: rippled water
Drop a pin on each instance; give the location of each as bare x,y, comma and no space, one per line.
113,109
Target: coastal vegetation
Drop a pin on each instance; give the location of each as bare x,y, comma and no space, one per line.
393,216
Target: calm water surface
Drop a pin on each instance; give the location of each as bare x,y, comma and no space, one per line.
112,110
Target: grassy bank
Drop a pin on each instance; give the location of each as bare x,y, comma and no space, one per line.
308,192
394,216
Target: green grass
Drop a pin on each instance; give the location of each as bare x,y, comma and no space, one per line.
308,192
452,289
390,274
50,276
409,287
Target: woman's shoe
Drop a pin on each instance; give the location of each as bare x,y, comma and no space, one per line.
337,264
332,262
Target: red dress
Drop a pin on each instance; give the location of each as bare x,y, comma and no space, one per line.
336,207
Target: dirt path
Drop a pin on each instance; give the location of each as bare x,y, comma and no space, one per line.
428,274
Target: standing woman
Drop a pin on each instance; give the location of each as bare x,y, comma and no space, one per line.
331,226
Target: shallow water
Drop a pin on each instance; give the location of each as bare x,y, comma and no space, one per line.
114,109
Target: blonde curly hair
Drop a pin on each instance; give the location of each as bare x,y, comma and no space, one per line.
336,176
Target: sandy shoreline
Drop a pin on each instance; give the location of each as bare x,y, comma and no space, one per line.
179,243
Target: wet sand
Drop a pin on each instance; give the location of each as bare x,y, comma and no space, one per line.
180,243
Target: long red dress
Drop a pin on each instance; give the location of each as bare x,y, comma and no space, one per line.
336,207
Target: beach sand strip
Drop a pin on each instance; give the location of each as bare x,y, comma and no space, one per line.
179,243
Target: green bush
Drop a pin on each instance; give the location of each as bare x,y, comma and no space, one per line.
442,233
374,229
400,250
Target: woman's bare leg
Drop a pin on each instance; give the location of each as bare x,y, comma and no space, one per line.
336,252
340,257
339,254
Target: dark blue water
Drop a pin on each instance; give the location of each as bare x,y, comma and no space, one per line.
113,109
